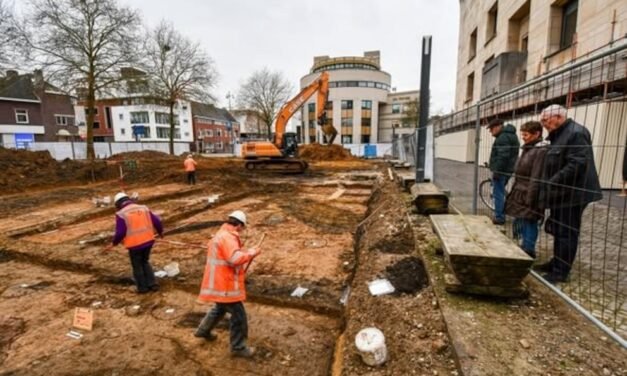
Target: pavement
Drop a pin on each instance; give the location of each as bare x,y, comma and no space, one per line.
598,280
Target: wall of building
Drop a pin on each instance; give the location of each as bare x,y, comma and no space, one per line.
598,22
122,127
356,94
457,146
55,105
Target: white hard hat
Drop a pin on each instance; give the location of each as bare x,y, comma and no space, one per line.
239,215
119,196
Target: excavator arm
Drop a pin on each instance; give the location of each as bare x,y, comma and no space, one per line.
321,86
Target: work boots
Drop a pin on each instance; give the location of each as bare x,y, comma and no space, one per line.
208,336
246,352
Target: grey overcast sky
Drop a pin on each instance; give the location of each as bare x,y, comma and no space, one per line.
242,36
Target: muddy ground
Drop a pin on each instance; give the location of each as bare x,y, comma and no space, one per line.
331,231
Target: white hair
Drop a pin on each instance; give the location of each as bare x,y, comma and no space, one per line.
554,109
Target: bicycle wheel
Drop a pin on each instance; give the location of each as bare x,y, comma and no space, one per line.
485,192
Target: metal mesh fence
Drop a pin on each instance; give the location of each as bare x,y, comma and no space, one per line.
562,197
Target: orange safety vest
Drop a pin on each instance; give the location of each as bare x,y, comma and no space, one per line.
190,165
139,228
223,280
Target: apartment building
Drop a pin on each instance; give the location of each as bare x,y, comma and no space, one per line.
362,105
503,43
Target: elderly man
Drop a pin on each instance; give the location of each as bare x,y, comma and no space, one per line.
571,183
503,157
224,284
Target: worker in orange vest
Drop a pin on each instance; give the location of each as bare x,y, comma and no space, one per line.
223,284
190,168
135,227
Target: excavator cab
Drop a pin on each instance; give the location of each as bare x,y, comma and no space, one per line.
290,144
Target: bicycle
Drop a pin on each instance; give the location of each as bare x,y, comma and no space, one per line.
485,193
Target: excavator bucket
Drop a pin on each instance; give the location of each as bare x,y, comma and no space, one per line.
329,132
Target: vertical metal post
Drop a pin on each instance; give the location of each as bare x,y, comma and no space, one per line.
475,178
425,73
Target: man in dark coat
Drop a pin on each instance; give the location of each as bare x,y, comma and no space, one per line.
523,200
502,160
571,183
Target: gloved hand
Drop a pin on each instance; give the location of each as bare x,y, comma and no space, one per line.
254,251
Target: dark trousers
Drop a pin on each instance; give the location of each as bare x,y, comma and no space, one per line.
191,177
142,271
565,223
498,192
238,323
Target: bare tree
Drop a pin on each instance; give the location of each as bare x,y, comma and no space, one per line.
411,114
81,44
7,52
265,92
178,69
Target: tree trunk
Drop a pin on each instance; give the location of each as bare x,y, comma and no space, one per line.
171,127
91,101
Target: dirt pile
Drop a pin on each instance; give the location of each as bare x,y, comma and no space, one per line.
317,152
408,275
144,155
23,169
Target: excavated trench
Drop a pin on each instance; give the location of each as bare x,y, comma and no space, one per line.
312,241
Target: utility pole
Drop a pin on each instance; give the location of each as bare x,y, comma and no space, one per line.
228,97
421,132
229,124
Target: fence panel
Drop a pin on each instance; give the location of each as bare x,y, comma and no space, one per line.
569,191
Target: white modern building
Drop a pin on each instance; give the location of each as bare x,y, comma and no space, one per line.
361,105
132,119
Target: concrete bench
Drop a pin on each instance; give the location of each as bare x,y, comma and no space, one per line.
428,199
484,261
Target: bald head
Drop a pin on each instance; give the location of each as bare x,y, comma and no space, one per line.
553,117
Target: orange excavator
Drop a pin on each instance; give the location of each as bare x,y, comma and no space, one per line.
281,155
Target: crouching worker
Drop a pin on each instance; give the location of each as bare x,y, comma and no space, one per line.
135,227
223,284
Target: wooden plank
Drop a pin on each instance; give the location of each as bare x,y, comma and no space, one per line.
453,285
337,194
428,199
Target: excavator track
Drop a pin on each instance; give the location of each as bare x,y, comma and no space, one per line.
287,166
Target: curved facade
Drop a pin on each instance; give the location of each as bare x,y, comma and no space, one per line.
357,89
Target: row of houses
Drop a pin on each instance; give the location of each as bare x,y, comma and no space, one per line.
33,110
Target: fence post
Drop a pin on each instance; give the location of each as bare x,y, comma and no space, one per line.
73,153
475,178
110,149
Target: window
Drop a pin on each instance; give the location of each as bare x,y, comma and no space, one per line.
122,131
96,124
492,19
470,86
21,116
209,133
140,117
95,111
61,119
348,139
121,116
366,105
569,23
219,131
365,139
162,118
163,132
524,42
396,108
472,52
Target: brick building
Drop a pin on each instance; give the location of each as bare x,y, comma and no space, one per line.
215,129
34,110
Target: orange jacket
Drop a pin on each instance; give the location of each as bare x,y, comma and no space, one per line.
139,228
223,280
190,165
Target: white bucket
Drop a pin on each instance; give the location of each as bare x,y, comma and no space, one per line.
371,344
172,269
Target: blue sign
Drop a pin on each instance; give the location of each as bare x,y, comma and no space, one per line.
23,140
139,130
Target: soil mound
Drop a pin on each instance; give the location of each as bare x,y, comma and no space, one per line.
317,152
408,275
143,156
27,169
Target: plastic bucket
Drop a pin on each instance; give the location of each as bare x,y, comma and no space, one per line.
371,345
